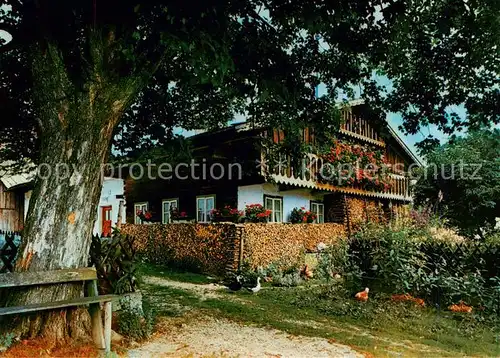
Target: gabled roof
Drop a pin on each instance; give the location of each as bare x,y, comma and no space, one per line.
404,146
13,179
247,126
392,132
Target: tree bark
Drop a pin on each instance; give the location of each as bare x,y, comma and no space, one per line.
60,221
76,129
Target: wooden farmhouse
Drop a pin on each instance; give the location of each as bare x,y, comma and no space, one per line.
232,168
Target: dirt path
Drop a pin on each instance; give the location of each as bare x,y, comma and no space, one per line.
222,338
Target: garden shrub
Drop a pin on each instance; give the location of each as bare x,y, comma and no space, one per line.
334,259
115,260
397,261
6,340
280,273
290,279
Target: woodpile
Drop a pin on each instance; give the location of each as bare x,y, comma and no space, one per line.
215,248
287,243
209,248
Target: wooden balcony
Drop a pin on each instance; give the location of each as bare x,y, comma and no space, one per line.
359,128
309,174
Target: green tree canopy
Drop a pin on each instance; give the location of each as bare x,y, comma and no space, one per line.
462,181
443,54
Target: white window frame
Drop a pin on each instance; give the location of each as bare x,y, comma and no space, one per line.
275,207
318,208
165,214
143,206
206,208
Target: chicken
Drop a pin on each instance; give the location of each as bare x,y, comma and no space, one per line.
235,285
306,273
420,302
461,307
403,297
408,297
363,295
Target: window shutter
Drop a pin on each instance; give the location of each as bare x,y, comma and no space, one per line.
275,136
306,135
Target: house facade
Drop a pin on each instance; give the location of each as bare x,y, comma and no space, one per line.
231,167
112,206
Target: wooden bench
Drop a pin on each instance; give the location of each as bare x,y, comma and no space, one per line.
102,337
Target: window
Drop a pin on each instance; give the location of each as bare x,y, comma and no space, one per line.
275,204
204,204
167,206
139,207
319,210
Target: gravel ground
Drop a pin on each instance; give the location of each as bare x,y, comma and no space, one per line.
222,338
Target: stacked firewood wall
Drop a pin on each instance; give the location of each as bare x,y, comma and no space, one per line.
360,211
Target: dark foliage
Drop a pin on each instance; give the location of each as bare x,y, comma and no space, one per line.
115,260
189,64
462,182
441,273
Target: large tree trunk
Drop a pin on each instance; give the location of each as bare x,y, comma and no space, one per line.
59,227
76,130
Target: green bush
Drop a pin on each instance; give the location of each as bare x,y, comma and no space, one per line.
334,260
6,340
282,275
290,279
116,263
397,261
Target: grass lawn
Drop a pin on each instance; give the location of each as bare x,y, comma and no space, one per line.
379,327
174,274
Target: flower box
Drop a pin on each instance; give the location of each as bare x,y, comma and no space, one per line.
226,214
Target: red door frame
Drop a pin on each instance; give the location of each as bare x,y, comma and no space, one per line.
106,220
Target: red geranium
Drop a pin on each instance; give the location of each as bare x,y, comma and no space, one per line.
257,213
144,215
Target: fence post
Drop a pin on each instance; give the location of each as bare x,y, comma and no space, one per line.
236,244
120,215
347,219
240,229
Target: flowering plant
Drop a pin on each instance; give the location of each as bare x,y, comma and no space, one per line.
256,213
175,214
144,215
302,216
227,213
356,165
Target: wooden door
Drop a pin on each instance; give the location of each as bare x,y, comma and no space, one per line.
106,221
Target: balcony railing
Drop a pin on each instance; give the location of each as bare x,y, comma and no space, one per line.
360,128
309,174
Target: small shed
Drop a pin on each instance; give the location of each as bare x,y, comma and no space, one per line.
13,194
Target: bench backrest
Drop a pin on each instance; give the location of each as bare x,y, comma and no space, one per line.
19,279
